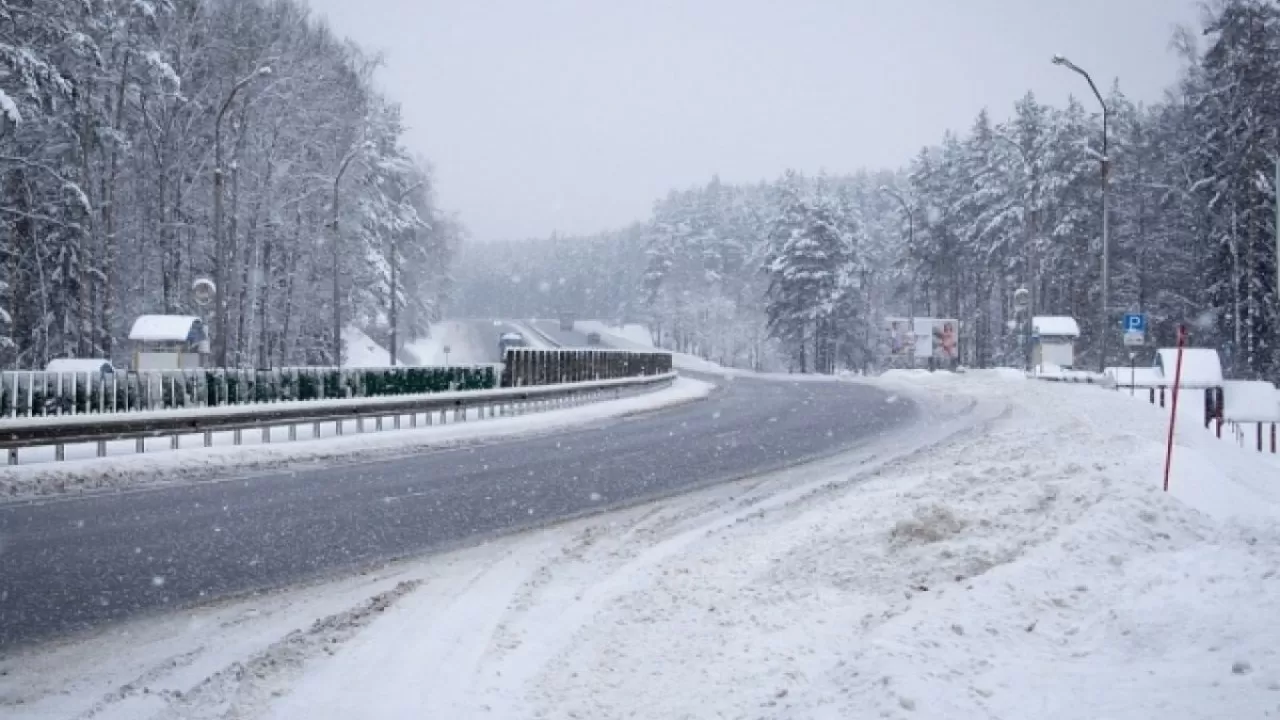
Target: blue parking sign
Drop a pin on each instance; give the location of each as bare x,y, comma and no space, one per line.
1135,323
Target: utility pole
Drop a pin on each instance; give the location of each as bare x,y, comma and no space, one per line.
219,244
1105,329
337,259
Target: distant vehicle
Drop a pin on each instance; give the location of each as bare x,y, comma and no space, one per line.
566,323
593,338
508,341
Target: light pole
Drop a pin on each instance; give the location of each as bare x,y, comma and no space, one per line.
337,265
1028,224
911,239
395,300
1103,330
219,245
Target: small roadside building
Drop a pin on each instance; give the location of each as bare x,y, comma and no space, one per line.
1053,340
168,342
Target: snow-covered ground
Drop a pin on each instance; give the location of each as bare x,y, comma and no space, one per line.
633,335
194,462
1011,556
360,350
465,348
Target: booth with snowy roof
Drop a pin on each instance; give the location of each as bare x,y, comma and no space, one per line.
1201,367
168,342
1054,340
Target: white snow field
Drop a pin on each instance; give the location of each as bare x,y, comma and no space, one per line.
1011,556
361,351
83,472
465,348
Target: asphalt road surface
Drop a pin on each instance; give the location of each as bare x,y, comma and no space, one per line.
72,564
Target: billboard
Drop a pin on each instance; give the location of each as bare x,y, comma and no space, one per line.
923,338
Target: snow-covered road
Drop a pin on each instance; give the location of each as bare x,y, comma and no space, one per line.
1011,557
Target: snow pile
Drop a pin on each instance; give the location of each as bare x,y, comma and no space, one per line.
1016,561
360,350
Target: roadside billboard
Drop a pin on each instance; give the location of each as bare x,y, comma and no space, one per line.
922,337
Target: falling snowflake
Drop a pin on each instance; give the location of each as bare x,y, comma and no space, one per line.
157,581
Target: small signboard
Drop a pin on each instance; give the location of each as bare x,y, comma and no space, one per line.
1135,329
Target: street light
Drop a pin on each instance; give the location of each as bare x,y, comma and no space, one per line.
1103,330
911,239
395,303
219,245
337,264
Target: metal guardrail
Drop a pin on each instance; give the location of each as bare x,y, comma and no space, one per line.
36,393
16,434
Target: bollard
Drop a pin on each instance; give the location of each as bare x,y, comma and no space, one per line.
1273,438
1161,396
1259,426
1218,423
1151,395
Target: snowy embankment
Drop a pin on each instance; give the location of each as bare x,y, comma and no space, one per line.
194,463
460,337
1014,559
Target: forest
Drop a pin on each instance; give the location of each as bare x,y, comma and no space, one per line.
145,144
800,272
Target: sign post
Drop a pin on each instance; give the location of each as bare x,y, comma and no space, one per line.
446,349
1132,380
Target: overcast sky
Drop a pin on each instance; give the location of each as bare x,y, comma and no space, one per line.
575,115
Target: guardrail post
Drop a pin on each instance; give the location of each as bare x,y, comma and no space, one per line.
174,441
140,445
236,436
102,448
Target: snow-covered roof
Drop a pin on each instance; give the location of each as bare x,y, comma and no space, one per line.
1201,367
1055,326
79,365
163,328
1249,400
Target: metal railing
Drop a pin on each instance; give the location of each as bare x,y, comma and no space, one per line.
34,393
16,434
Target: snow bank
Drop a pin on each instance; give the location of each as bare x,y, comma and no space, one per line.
360,350
1019,560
